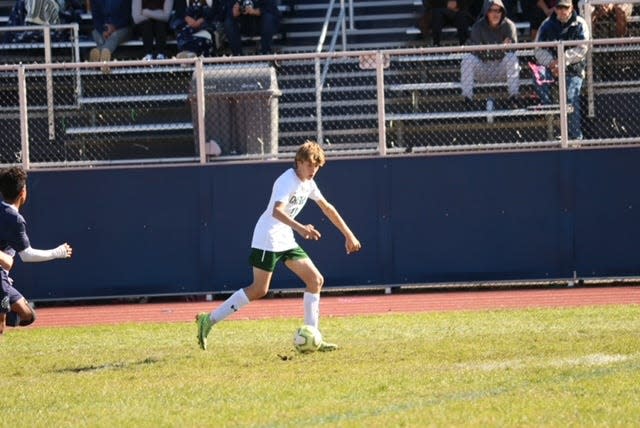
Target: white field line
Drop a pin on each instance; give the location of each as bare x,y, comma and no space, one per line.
586,360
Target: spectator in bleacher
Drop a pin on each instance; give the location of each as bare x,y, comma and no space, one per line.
564,24
493,28
619,12
41,12
176,19
511,8
456,13
536,11
111,27
251,18
151,18
195,36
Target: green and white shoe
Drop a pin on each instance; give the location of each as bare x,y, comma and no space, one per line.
327,347
204,327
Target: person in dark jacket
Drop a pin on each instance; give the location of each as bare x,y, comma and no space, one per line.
564,24
195,32
494,28
251,18
456,13
112,26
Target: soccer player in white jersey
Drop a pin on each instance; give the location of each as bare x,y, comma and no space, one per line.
274,241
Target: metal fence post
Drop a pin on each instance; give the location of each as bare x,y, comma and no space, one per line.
343,24
562,96
49,76
24,120
382,128
586,8
201,106
319,83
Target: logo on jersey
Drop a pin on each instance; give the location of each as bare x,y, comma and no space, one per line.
295,204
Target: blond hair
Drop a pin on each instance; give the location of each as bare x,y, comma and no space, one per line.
310,151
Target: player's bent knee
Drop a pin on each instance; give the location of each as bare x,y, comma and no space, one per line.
259,294
15,320
30,320
255,293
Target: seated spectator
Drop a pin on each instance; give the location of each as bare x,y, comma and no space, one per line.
619,12
449,12
492,66
195,32
511,8
111,27
151,17
536,11
41,12
564,24
176,18
251,18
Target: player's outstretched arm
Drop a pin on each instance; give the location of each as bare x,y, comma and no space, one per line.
6,261
351,243
31,255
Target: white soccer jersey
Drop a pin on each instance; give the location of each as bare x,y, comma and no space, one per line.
271,234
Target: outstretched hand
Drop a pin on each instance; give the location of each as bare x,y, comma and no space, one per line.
64,251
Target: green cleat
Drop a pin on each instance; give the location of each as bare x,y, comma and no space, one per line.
327,347
204,327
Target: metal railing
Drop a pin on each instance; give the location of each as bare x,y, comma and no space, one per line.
368,103
322,70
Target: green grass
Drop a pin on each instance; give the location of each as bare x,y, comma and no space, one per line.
553,367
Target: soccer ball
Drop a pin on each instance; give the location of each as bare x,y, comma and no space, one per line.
307,339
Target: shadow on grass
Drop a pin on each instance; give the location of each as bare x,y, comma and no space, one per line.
108,366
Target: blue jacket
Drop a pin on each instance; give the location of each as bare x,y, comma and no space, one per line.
116,12
575,28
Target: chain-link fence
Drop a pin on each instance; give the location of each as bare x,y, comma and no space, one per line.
374,102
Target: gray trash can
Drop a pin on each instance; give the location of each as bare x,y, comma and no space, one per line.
241,108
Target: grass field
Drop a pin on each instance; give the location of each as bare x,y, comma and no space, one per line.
543,367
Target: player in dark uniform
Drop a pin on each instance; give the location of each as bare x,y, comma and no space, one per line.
14,308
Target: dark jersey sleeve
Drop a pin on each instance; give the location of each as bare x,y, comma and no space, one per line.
18,239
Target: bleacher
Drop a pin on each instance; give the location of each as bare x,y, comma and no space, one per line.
136,110
158,112
523,27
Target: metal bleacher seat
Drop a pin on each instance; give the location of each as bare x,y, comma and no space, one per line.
85,42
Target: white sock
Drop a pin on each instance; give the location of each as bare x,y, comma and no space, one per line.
233,304
311,303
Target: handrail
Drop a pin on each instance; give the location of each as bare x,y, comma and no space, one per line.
325,26
321,76
332,47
